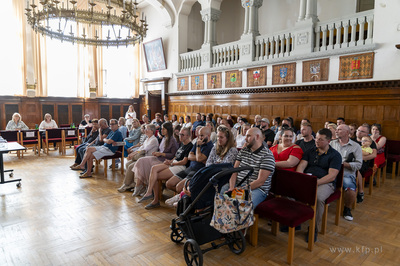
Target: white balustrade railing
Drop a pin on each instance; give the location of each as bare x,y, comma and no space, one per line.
344,32
225,54
341,33
190,61
275,46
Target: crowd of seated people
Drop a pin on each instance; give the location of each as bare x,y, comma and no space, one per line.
174,150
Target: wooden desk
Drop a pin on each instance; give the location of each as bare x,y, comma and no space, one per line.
11,146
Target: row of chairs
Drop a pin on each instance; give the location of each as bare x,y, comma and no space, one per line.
292,201
34,137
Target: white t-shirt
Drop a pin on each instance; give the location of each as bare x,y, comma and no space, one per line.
128,119
46,125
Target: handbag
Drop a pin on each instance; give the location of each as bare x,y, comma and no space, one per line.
231,214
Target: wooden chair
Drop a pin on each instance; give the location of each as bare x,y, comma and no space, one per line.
381,168
393,154
302,189
368,176
11,136
336,195
31,137
54,135
119,154
70,135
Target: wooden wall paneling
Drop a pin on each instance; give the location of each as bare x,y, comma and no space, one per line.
278,110
335,111
63,114
391,113
218,111
202,108
304,111
291,110
9,110
77,114
245,111
352,113
319,112
370,112
226,110
31,112
210,109
266,110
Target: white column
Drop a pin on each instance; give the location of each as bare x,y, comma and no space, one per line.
311,10
210,16
251,16
370,21
353,23
338,26
302,10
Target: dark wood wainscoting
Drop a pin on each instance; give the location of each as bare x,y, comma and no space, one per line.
361,102
63,110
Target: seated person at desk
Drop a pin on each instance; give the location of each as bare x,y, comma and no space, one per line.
16,123
98,152
86,122
48,123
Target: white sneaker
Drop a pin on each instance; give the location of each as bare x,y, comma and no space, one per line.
174,199
124,188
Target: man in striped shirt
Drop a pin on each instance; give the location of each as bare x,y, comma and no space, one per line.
263,162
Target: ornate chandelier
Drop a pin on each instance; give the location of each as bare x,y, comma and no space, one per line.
93,24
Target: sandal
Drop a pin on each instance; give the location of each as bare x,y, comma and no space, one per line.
85,175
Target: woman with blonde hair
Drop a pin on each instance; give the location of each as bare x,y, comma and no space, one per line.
16,123
332,127
224,150
213,136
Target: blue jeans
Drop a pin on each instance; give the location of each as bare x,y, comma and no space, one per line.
257,195
349,182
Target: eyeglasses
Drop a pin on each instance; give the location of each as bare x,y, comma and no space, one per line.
316,160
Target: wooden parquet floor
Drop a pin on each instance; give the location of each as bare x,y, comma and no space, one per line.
55,218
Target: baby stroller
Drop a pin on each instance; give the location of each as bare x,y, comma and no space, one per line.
195,226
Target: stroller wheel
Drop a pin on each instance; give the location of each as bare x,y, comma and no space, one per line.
176,235
237,242
192,252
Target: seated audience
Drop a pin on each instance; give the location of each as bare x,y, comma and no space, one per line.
257,121
146,119
285,123
256,155
174,121
166,118
218,123
196,134
213,136
287,155
198,122
157,121
99,152
129,116
187,123
16,123
86,122
167,150
238,124
353,128
203,118
241,137
340,121
368,159
332,127
352,161
122,128
150,145
324,162
275,124
181,121
269,135
198,157
307,141
177,130
380,141
168,168
210,117
134,136
91,138
229,125
224,151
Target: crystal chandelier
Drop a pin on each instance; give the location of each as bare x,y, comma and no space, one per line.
93,24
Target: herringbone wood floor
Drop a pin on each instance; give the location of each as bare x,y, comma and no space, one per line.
58,219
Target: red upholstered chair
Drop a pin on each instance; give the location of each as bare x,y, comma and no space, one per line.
393,154
31,137
302,189
381,168
337,195
119,154
70,135
11,136
54,135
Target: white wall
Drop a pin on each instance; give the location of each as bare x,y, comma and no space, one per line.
195,33
231,23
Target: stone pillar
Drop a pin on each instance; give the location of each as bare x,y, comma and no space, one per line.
251,16
210,16
311,10
302,10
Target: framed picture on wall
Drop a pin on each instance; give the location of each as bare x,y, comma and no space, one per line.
154,53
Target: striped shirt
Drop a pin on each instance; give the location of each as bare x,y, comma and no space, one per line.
261,158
